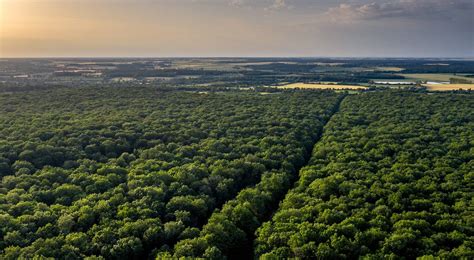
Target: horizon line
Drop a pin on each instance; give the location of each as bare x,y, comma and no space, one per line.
237,57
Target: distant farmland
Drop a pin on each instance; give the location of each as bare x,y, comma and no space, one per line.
434,76
320,86
394,69
448,87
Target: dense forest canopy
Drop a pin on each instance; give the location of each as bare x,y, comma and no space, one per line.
128,173
144,172
392,177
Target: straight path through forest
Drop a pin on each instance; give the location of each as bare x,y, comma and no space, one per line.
247,251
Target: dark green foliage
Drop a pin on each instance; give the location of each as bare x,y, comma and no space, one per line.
392,177
126,173
131,173
230,231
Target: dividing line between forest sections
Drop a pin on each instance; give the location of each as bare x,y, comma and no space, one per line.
248,252
230,231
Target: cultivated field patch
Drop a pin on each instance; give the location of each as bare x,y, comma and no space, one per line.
320,86
434,76
448,87
394,69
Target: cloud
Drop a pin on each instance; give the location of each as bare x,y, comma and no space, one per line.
237,3
266,5
277,5
421,9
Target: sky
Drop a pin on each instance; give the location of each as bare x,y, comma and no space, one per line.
235,28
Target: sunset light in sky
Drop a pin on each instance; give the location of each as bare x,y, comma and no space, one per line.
55,28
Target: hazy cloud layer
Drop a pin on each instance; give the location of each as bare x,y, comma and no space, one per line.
416,9
418,28
237,2
267,5
277,5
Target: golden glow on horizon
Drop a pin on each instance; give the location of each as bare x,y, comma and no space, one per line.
103,28
55,28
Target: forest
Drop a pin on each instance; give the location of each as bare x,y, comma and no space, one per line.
117,172
128,174
391,178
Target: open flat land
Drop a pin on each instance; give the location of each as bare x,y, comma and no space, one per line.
394,69
448,87
319,86
435,76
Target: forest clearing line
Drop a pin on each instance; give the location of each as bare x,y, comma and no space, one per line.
242,247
